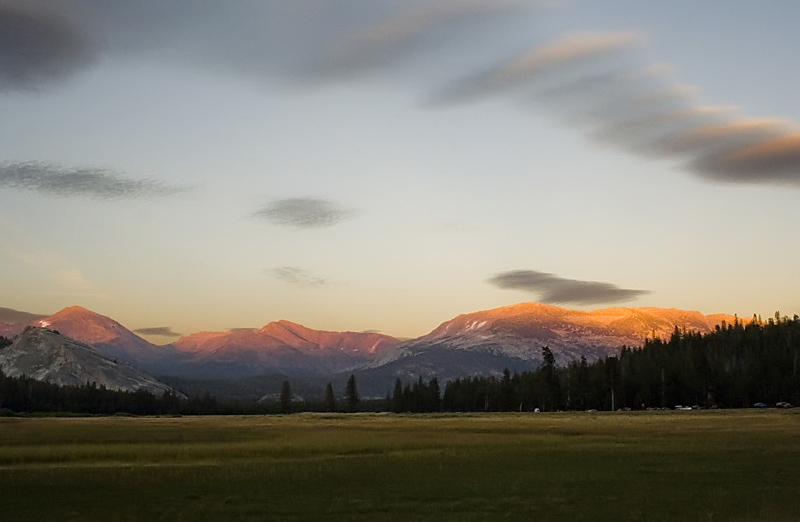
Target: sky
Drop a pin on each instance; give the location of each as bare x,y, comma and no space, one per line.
375,165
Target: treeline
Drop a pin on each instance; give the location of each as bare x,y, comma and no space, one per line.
23,394
734,366
26,395
419,397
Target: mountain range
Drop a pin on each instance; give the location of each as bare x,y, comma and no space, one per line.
279,346
483,343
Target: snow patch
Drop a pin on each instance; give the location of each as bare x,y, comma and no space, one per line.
474,325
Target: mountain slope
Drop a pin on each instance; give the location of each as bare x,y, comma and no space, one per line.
48,356
277,347
513,336
104,334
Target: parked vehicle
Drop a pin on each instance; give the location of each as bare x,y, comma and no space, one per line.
760,405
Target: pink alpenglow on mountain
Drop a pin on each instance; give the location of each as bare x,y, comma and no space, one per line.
279,347
513,336
282,334
629,325
476,343
106,335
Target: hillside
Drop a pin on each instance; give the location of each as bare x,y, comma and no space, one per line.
48,356
512,337
280,347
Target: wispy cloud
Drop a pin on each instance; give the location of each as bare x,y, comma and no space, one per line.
161,331
296,276
404,32
72,282
770,160
39,45
595,83
553,289
304,213
11,316
569,51
94,183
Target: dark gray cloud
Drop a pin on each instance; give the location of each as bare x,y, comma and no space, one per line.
301,41
11,316
775,160
296,276
304,213
162,331
553,289
39,44
95,183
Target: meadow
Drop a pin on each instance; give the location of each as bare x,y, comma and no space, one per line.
654,466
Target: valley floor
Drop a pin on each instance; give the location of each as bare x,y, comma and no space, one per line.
671,465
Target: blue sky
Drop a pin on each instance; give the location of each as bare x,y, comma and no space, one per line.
376,165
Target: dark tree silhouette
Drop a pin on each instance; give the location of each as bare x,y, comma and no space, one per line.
286,397
330,398
351,394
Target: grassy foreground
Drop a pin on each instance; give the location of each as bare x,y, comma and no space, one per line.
699,466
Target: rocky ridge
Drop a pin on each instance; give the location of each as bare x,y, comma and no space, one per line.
46,355
513,337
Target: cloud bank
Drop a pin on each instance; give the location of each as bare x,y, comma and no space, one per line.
94,183
304,213
162,331
553,289
296,276
39,45
596,81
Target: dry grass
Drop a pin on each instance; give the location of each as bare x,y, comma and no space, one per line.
721,465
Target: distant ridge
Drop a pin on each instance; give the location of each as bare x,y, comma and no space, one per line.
10,316
280,346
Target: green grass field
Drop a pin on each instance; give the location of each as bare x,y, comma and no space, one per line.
688,466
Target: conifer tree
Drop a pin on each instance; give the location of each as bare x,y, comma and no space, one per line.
351,394
434,392
330,398
286,397
397,397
